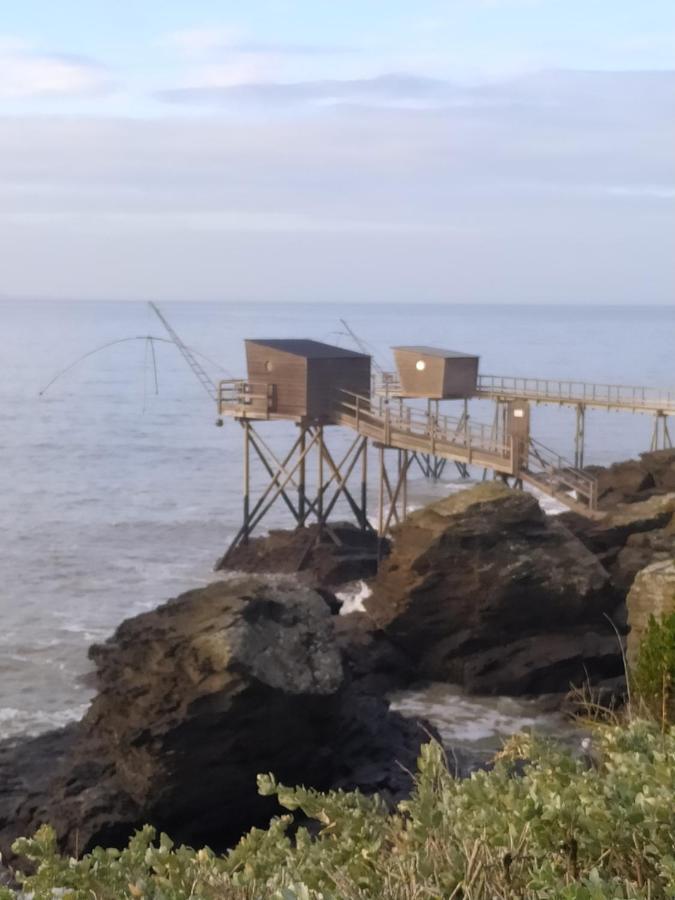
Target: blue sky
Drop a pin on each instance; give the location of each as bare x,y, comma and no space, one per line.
362,149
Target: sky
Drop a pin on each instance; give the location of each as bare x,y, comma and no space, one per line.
464,151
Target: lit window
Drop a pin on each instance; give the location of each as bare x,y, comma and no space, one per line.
519,413
420,365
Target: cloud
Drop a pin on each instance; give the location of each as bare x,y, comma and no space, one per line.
558,186
381,89
28,72
201,41
563,90
220,58
217,41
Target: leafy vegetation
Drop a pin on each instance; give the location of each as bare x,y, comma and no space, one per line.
598,823
653,676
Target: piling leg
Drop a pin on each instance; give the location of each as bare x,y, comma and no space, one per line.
364,484
319,510
247,482
380,512
580,437
302,484
661,439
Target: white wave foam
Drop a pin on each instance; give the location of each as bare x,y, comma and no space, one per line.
15,722
352,596
475,721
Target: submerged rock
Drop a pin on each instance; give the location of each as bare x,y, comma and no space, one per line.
195,699
652,594
484,590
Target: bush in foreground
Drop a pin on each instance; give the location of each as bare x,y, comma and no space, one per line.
653,676
601,824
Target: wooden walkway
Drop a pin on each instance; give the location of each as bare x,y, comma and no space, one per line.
577,393
629,398
413,430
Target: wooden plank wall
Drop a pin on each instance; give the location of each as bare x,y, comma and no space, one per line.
328,378
288,372
461,377
451,378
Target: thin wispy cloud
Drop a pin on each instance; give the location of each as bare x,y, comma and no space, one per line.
27,71
195,42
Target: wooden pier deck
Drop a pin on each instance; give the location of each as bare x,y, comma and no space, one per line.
627,398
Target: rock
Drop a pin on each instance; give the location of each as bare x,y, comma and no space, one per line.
484,590
635,480
640,551
652,594
320,560
194,700
607,537
27,768
620,480
660,464
375,664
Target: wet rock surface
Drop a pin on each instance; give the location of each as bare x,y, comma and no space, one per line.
483,590
336,557
195,699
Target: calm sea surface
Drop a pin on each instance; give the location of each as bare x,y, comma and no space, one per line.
114,498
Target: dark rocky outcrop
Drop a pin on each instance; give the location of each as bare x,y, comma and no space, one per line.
484,590
629,537
329,559
634,480
194,700
641,550
375,664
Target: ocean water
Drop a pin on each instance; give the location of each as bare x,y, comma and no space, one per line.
114,498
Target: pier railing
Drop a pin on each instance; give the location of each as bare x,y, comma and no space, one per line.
401,425
631,397
240,397
557,476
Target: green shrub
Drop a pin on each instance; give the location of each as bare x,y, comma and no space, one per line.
653,676
598,824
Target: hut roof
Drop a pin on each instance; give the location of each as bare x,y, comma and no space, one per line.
308,349
436,351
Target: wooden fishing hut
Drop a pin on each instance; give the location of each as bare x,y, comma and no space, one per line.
303,379
436,374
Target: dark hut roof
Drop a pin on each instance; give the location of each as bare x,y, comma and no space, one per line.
308,348
436,351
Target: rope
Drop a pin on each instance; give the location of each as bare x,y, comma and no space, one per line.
145,337
149,341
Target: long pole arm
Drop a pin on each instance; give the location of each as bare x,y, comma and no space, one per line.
202,375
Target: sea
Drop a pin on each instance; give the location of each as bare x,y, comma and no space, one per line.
119,491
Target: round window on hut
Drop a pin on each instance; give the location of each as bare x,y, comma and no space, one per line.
420,365
268,365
